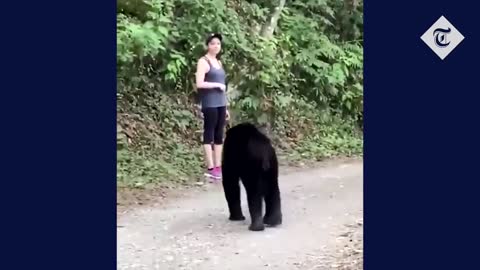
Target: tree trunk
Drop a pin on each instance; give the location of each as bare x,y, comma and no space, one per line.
267,31
269,27
355,4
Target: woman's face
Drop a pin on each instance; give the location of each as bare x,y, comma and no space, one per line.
214,46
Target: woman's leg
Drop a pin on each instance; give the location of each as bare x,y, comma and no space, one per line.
210,118
218,136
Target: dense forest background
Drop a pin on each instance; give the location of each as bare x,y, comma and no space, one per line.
295,67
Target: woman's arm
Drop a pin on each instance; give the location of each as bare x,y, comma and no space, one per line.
202,68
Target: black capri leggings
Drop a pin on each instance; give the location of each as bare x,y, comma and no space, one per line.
213,124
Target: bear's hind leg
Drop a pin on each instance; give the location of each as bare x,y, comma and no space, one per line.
273,212
255,201
231,187
273,209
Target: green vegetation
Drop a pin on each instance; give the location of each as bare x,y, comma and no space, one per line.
295,67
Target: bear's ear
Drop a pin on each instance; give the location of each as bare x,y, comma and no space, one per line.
228,128
263,129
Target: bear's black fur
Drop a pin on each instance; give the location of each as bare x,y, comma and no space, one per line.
249,155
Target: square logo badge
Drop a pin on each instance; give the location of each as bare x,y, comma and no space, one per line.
442,37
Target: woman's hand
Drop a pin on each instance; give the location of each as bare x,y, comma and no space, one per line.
227,114
222,86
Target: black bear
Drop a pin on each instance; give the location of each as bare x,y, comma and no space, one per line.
249,155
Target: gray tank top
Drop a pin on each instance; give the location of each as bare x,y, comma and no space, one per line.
213,97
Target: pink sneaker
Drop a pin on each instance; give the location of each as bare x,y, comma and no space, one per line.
218,172
215,173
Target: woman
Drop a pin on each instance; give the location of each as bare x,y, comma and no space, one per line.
210,81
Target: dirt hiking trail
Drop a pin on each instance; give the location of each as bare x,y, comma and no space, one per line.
194,232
